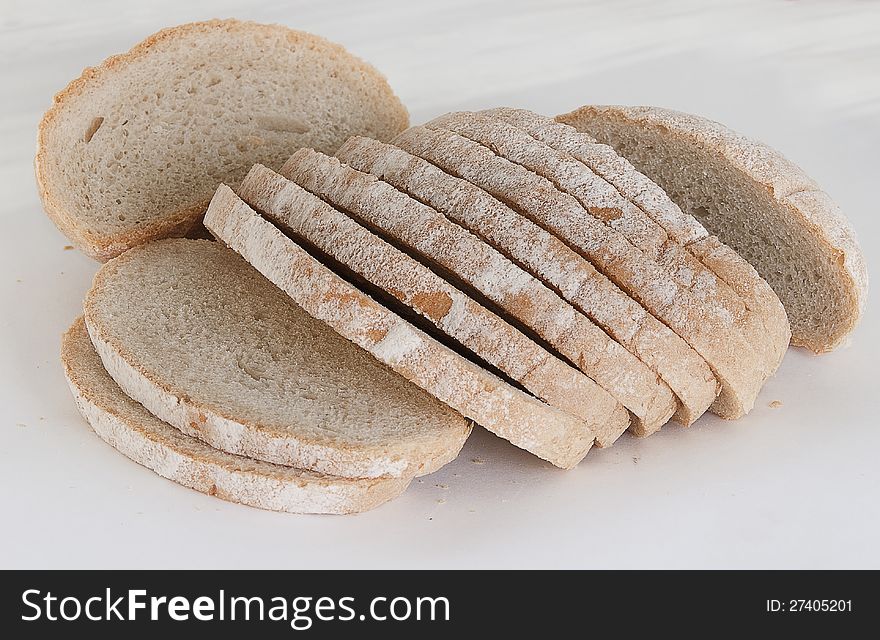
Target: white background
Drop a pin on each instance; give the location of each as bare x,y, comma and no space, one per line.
795,486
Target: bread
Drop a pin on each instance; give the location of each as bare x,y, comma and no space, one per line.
205,343
484,273
734,363
422,297
136,433
134,148
687,248
562,270
514,415
757,202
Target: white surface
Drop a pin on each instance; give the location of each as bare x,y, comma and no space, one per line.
795,486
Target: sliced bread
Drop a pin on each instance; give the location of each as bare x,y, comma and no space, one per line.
549,259
604,202
525,421
136,433
205,343
733,361
757,202
484,272
395,274
769,322
133,149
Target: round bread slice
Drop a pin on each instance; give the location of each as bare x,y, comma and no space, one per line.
549,433
133,149
484,272
549,259
733,361
605,203
400,277
136,433
206,344
757,202
770,321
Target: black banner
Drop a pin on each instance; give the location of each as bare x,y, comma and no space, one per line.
398,603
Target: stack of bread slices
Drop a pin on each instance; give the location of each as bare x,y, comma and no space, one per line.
361,311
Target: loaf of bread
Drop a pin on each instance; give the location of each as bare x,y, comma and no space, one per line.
553,280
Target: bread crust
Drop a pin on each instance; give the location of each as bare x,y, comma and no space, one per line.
786,183
133,431
176,223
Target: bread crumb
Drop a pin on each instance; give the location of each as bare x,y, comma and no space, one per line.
775,404
18,279
442,486
636,459
68,247
472,510
441,501
477,460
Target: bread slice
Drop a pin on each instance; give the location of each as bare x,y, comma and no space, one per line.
768,324
734,363
604,202
205,343
512,414
486,273
136,433
757,202
133,149
377,263
549,259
